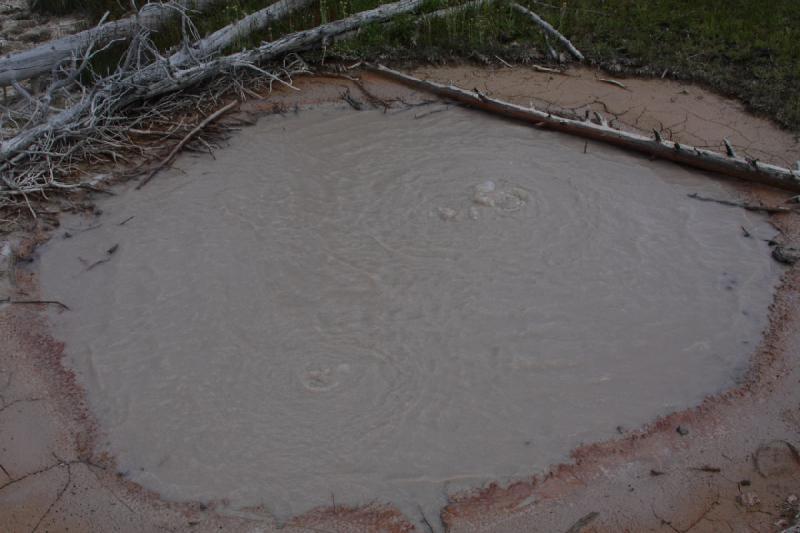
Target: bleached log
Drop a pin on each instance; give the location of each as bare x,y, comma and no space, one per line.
227,36
549,29
41,59
688,155
450,10
156,79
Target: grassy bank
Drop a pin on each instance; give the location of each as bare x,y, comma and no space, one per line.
749,49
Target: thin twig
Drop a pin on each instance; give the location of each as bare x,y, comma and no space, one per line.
584,521
167,160
743,205
38,302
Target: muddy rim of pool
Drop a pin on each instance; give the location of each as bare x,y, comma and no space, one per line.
679,446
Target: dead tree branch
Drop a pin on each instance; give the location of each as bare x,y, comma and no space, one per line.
167,160
548,29
125,88
688,155
43,58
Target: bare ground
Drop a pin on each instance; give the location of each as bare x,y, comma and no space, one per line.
731,467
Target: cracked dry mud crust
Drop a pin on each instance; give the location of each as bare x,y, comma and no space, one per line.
731,467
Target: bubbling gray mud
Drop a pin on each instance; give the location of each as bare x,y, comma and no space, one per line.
376,307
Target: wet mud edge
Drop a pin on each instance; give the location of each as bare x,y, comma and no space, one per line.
773,371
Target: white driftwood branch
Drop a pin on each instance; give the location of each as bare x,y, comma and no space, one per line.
119,91
738,167
227,36
450,10
41,59
549,29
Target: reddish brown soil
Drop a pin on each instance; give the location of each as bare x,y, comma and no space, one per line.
730,468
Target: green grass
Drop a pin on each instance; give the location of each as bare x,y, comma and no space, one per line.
749,49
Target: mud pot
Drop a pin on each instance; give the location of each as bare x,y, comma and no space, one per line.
404,318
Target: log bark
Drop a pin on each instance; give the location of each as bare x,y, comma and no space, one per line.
41,59
703,159
549,29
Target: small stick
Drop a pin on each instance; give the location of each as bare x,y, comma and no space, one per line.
425,520
613,82
38,302
503,61
421,115
548,29
350,100
743,205
106,259
729,148
126,220
167,160
706,468
539,68
600,119
578,526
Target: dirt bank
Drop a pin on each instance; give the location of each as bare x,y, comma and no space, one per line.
731,466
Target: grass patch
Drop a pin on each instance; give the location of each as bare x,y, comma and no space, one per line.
749,49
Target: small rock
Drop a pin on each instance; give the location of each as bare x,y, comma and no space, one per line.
682,431
484,199
786,254
749,500
445,213
520,193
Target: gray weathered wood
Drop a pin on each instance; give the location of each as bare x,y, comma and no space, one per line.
41,59
549,29
155,79
227,36
738,167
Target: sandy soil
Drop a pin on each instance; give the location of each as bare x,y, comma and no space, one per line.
731,464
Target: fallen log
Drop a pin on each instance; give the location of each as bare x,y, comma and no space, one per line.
450,10
747,169
549,29
227,36
43,58
121,90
